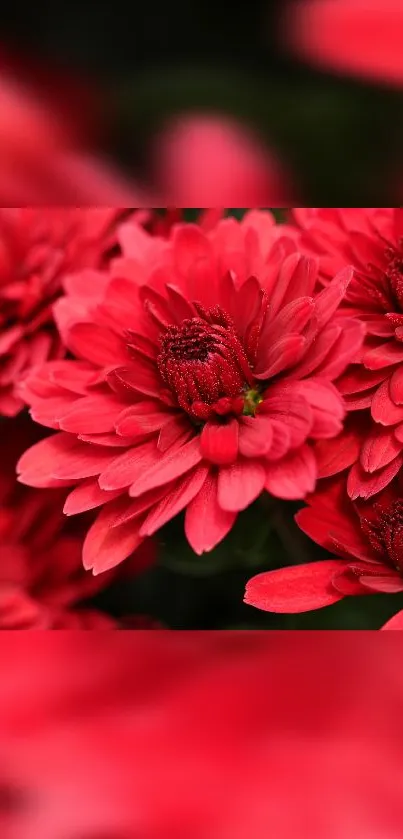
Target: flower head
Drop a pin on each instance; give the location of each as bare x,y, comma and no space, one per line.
370,239
367,538
42,581
203,372
38,247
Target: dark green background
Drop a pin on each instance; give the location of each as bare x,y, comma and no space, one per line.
342,138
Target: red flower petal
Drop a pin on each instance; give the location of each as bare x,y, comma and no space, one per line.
106,546
175,501
293,477
219,442
301,588
362,485
328,301
326,406
75,376
383,356
191,245
281,442
396,387
141,419
379,449
395,623
255,436
206,523
177,429
125,468
387,584
285,353
292,410
92,415
349,585
292,319
139,377
143,504
62,457
357,380
88,496
319,347
167,467
334,456
239,485
384,409
345,350
317,31
330,528
97,344
295,279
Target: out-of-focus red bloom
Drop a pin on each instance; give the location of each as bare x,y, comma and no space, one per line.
41,573
172,735
42,579
38,247
203,372
207,160
358,37
371,240
43,153
368,539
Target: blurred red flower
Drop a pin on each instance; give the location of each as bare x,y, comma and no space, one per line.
207,160
358,37
38,247
49,128
42,579
203,372
43,153
178,735
371,240
368,539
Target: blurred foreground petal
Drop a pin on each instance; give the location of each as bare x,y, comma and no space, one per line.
205,735
42,155
360,37
212,160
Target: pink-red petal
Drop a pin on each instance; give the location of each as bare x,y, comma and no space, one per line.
173,464
106,546
294,477
219,442
206,523
300,588
240,484
176,500
395,623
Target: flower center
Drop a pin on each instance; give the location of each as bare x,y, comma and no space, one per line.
205,365
385,534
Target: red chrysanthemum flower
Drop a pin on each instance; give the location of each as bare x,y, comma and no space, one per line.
203,373
371,240
366,536
38,247
41,575
43,584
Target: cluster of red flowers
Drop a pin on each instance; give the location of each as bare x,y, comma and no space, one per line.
356,512
193,367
